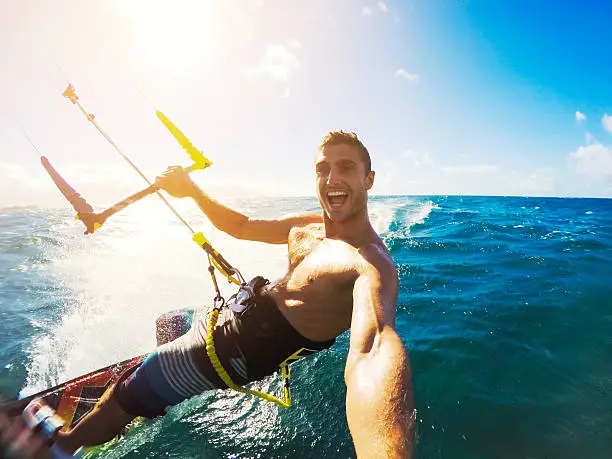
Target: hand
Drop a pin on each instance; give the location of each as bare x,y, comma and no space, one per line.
176,181
19,441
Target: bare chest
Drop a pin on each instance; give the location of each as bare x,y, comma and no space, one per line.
313,259
316,295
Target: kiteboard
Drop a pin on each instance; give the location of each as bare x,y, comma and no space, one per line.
74,399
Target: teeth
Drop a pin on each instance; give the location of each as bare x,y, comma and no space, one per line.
336,193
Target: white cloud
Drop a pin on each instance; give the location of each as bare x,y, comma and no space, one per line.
279,62
413,77
538,182
593,161
12,172
471,169
381,7
418,159
20,187
607,122
419,172
580,116
98,173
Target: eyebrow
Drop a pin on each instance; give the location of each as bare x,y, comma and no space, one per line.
342,162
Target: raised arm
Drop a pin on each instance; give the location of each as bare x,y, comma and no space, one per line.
177,182
379,407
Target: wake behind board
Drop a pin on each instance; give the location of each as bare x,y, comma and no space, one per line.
74,399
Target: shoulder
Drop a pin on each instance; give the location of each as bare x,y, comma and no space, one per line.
375,259
301,219
376,273
306,224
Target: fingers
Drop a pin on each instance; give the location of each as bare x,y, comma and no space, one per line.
19,442
4,423
27,445
31,435
173,170
41,418
170,172
176,181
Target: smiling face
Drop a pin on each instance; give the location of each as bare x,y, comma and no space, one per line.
342,181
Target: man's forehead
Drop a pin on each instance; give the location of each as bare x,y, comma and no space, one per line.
337,153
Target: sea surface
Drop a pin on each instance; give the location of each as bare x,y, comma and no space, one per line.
505,306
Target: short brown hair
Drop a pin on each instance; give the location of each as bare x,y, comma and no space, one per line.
348,138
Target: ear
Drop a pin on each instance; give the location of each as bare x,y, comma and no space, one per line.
369,180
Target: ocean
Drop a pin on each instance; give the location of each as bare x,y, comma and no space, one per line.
505,307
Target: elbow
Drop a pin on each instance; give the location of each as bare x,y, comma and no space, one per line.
362,346
374,349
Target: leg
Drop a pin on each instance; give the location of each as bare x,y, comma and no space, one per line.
102,424
174,372
166,377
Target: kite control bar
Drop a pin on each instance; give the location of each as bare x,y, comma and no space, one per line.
93,220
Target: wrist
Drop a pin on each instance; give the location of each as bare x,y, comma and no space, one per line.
195,191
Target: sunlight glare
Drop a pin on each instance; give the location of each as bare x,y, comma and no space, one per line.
170,35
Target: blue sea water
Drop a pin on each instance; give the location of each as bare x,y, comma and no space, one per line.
505,306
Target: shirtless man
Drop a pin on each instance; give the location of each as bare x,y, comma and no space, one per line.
340,276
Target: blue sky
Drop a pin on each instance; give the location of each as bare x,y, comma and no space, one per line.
451,97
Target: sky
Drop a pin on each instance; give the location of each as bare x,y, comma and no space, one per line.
451,97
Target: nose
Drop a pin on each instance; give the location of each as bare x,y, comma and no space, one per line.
334,176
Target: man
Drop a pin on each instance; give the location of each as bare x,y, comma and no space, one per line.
340,276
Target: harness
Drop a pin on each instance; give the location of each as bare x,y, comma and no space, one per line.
244,299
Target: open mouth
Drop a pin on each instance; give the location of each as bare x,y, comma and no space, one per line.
337,198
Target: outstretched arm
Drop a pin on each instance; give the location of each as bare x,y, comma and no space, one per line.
379,406
177,182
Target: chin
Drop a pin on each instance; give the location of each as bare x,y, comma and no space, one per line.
338,217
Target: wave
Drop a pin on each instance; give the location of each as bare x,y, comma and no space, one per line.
384,213
421,214
405,218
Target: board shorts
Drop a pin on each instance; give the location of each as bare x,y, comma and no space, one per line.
250,345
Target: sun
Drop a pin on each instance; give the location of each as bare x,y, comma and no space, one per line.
169,35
